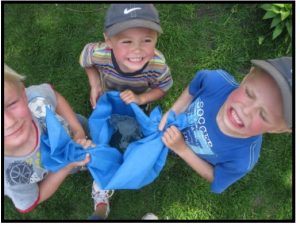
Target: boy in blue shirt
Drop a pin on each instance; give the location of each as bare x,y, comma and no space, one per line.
227,120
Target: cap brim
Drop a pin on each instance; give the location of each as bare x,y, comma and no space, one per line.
285,89
135,23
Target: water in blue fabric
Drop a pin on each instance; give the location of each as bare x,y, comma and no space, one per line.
142,160
126,130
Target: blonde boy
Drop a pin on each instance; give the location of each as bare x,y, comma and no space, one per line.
227,120
127,62
26,182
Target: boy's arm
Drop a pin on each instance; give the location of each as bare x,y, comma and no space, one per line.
173,139
180,105
150,96
51,183
154,94
202,168
64,109
94,81
182,102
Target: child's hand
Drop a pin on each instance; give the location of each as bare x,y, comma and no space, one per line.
80,163
163,121
78,134
95,93
85,143
128,96
174,140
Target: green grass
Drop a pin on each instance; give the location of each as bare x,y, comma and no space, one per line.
43,41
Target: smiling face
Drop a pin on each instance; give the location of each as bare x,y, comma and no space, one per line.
254,108
133,48
17,119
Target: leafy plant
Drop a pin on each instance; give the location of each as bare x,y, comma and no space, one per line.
281,15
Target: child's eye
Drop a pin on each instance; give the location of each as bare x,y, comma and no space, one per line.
12,104
126,42
148,41
248,93
263,116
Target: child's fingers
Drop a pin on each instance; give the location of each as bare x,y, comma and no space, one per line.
167,137
168,141
126,94
162,123
89,143
165,140
87,157
171,136
172,132
85,143
86,160
93,103
128,98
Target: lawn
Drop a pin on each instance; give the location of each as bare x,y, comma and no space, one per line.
43,42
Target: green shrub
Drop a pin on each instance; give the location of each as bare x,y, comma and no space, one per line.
281,15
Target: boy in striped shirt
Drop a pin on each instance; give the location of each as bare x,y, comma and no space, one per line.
127,61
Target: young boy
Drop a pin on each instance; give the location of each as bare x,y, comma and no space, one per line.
127,62
227,121
27,183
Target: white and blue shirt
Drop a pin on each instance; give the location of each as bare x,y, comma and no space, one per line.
231,157
22,174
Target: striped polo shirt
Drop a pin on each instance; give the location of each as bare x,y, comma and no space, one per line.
155,74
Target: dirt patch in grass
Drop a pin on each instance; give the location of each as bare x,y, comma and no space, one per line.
206,11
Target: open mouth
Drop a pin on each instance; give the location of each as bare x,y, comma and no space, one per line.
136,59
235,119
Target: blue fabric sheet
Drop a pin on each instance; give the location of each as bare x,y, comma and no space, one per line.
141,162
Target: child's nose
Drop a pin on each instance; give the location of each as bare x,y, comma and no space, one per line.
136,47
250,108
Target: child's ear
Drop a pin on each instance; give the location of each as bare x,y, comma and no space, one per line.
247,75
23,92
107,40
289,131
286,130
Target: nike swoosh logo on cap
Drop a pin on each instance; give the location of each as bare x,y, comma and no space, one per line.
127,11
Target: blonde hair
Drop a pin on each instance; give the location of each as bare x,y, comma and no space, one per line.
256,71
12,77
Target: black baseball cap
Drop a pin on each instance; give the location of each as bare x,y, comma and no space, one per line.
120,17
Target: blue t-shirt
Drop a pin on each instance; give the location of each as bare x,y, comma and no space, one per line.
231,157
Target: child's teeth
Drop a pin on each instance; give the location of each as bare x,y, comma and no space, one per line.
236,118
